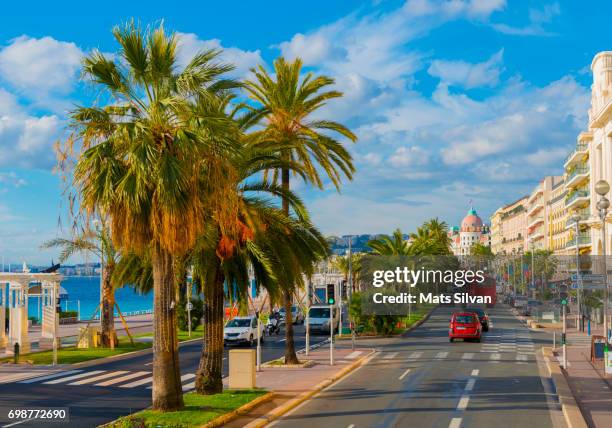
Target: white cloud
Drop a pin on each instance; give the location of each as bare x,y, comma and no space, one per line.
408,156
40,65
190,44
469,75
537,19
26,140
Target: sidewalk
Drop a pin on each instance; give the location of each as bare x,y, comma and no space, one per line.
294,385
592,391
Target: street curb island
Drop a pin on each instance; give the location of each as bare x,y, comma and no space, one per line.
242,410
569,405
306,395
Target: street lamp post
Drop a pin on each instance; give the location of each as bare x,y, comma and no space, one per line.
533,289
602,188
576,220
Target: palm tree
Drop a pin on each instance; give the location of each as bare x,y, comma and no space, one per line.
141,164
287,104
394,245
278,248
342,264
98,243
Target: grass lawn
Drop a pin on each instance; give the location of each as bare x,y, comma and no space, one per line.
72,355
199,409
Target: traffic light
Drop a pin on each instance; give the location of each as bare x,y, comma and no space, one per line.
563,298
344,289
331,296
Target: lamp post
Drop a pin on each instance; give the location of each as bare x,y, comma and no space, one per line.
602,188
532,247
576,221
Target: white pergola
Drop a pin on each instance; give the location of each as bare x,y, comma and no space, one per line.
14,295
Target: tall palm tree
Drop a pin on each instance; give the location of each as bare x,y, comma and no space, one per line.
96,242
277,246
287,103
141,164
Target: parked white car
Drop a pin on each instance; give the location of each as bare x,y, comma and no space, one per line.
242,330
319,320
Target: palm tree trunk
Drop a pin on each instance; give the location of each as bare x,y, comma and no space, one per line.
108,336
167,389
290,355
209,373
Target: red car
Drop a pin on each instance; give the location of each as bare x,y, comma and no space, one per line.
466,326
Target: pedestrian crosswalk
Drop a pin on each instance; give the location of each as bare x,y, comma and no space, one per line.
105,378
479,357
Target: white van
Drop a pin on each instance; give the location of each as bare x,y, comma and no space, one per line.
318,318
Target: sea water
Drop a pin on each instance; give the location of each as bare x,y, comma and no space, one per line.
84,293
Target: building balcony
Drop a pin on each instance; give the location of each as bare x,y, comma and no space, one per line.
577,156
576,176
576,199
537,234
535,207
584,214
584,240
537,191
535,221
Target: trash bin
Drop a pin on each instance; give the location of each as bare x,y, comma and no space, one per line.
89,337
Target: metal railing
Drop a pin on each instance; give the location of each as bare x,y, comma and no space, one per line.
580,148
575,195
579,170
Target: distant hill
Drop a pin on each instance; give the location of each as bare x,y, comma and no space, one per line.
339,244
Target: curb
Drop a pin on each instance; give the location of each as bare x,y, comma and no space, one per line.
569,405
419,322
245,408
306,395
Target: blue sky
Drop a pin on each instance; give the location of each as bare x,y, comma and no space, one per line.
451,100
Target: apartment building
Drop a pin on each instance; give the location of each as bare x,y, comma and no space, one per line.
537,219
598,141
557,220
509,228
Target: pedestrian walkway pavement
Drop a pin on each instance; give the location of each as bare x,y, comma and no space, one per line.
592,390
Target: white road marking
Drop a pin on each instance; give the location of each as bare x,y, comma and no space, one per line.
122,378
495,358
351,426
404,374
279,341
475,372
183,378
353,355
415,356
463,402
470,384
69,378
51,376
441,355
148,364
389,356
17,423
455,423
137,382
467,356
97,378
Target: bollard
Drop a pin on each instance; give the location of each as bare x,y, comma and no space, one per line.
16,353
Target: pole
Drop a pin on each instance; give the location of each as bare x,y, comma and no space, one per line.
189,307
55,321
340,314
258,343
331,335
605,268
578,280
309,287
78,310
533,271
563,340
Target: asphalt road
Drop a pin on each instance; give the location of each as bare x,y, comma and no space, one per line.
423,380
103,392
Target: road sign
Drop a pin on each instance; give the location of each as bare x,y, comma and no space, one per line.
574,286
594,287
189,306
589,277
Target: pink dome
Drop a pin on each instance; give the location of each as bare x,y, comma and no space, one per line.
471,222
